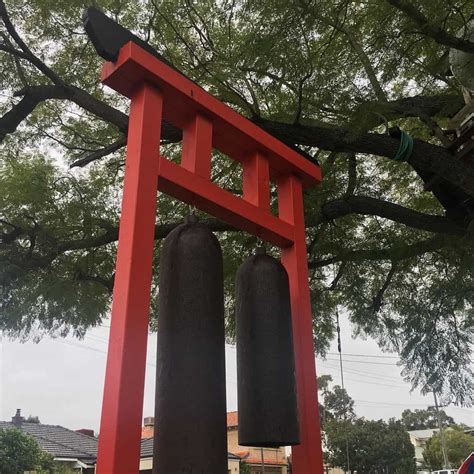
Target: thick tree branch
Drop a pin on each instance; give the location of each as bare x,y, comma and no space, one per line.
31,98
369,206
111,235
100,153
34,95
370,113
32,58
433,31
377,300
351,174
365,60
395,253
425,156
108,283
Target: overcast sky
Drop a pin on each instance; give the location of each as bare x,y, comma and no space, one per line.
61,381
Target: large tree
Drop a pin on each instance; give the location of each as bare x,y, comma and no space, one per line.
424,419
459,446
390,242
373,446
20,452
335,402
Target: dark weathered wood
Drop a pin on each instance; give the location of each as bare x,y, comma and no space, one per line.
190,409
108,36
267,403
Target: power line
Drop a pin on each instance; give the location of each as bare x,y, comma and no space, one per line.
374,375
365,362
86,347
365,355
373,402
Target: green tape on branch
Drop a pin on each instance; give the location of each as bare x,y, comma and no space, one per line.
405,148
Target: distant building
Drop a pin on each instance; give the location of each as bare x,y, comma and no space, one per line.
76,450
274,459
419,438
146,461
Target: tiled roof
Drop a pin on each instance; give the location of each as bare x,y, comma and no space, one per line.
232,419
59,441
64,443
147,450
242,454
423,434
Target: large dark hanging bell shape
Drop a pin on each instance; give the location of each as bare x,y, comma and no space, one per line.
190,406
267,404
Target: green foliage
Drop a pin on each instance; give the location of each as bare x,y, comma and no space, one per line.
33,419
374,446
41,292
458,446
244,468
335,403
310,63
19,452
424,419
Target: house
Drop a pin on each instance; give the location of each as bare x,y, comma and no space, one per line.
76,450
419,438
275,460
146,461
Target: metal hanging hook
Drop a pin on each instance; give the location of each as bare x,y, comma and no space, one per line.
260,250
191,218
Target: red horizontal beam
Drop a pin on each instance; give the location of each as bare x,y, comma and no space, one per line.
239,213
233,134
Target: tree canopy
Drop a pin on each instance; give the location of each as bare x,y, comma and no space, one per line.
374,446
459,446
19,452
371,446
424,419
387,241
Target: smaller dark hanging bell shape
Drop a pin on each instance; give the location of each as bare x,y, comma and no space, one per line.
267,404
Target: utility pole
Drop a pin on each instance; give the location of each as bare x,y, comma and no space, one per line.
339,349
263,461
441,434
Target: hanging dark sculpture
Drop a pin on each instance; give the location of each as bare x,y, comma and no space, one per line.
190,406
267,404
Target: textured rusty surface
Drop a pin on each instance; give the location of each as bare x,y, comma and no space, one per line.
190,409
267,402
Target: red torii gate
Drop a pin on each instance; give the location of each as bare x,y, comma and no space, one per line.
159,92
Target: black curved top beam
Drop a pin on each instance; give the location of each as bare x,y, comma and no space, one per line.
108,36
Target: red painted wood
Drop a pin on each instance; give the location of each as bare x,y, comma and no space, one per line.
197,146
234,135
187,187
206,123
256,180
307,457
119,440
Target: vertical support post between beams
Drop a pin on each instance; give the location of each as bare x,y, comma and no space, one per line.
119,440
307,457
197,146
256,180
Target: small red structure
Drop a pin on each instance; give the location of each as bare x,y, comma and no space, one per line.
157,93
